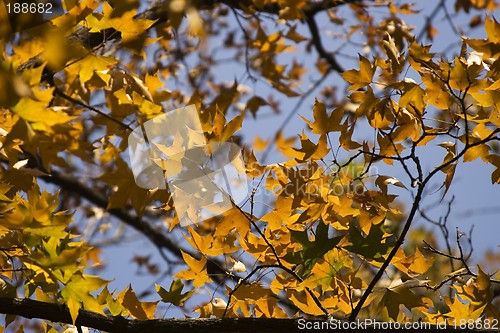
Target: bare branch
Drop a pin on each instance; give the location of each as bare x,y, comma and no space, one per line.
414,209
316,39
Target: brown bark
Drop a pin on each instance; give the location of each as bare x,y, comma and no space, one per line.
60,314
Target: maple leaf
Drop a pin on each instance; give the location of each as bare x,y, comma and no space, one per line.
94,64
312,250
174,295
136,308
38,115
383,181
362,77
77,293
495,160
233,219
399,293
254,104
304,301
325,271
324,123
126,187
321,230
461,311
197,270
477,291
129,27
373,246
414,264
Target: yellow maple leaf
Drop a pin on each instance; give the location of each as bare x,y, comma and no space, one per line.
461,311
136,308
324,123
94,64
77,293
305,302
362,77
197,270
37,113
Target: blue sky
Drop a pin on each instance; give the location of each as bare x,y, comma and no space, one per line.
476,200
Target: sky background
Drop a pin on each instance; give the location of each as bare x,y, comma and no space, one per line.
476,203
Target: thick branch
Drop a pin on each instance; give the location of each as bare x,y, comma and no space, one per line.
60,314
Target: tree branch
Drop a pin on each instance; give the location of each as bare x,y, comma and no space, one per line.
60,314
388,260
316,39
409,220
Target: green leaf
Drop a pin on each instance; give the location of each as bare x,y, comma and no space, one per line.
312,251
373,246
174,295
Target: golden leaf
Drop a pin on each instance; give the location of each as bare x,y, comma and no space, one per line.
196,272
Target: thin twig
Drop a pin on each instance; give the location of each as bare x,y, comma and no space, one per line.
60,93
291,114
